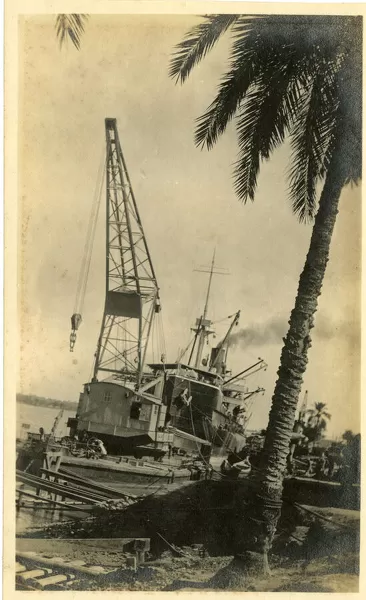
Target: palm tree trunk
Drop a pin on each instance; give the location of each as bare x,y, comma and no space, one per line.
263,512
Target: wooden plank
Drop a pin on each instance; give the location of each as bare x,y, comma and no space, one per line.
75,486
58,488
58,562
85,508
77,483
42,484
33,574
52,580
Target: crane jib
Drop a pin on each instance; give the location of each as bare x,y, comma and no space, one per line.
131,293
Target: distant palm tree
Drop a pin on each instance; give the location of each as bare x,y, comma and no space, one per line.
298,77
317,421
318,413
348,436
70,27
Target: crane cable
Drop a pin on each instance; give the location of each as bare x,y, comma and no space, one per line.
86,260
185,350
161,338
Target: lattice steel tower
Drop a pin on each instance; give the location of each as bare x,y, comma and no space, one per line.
132,294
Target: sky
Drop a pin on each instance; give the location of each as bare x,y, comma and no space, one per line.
188,208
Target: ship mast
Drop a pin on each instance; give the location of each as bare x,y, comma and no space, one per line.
132,294
203,325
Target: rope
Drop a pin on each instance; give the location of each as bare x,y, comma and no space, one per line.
185,350
198,448
153,332
174,548
224,319
89,242
162,334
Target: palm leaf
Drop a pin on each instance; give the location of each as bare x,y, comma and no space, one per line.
300,95
247,166
70,26
246,61
281,101
197,43
267,113
311,137
231,92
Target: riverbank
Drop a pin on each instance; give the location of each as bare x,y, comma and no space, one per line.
193,531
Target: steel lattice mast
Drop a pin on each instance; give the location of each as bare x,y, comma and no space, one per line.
132,294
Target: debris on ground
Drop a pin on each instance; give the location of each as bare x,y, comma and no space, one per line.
191,532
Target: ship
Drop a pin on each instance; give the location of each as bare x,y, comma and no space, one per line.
145,409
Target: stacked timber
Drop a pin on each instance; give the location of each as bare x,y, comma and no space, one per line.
65,489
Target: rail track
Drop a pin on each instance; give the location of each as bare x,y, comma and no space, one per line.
42,571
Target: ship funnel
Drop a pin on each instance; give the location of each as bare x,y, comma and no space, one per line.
217,360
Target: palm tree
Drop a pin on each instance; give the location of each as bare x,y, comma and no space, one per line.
297,77
317,421
318,414
348,436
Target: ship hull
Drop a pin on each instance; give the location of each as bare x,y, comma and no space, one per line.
127,472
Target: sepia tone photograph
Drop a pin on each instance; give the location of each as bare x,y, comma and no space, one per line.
189,302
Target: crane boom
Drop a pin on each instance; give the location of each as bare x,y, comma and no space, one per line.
131,293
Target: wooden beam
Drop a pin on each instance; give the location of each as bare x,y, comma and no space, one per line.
60,490
77,486
57,502
100,486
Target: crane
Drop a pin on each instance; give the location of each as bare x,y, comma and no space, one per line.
131,290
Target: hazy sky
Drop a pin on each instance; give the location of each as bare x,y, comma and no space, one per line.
187,205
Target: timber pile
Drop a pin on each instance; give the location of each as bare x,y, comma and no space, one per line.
66,490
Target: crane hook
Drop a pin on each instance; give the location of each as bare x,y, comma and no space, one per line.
75,322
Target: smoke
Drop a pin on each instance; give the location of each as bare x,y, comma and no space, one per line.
274,330
258,335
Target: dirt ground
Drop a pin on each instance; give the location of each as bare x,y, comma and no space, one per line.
192,571
191,532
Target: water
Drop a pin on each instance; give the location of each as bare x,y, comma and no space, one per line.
28,518
40,416
36,517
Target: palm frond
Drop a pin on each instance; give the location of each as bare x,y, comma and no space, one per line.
70,26
232,89
231,92
281,101
197,43
281,79
269,108
247,58
248,122
349,117
311,137
319,406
